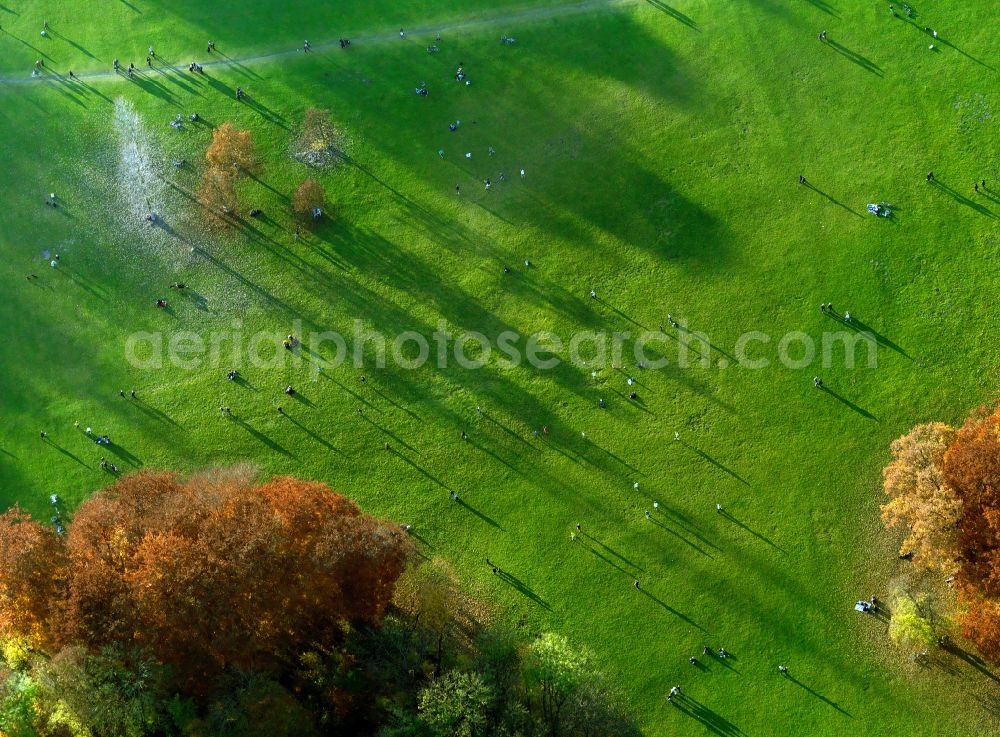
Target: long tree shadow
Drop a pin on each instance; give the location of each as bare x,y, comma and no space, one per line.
753,532
710,720
675,14
844,400
281,195
838,203
670,609
261,436
865,63
818,695
962,199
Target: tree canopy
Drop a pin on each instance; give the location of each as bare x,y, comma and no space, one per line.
206,573
944,487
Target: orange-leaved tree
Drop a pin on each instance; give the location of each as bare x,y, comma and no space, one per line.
216,572
972,469
920,499
232,150
309,196
32,578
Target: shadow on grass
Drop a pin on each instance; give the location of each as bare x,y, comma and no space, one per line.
65,452
867,331
124,454
485,518
670,609
675,14
612,551
716,463
971,659
685,523
844,400
261,436
391,434
421,470
838,203
753,532
523,588
818,695
598,554
155,413
509,432
962,199
947,43
499,459
865,63
315,436
680,537
825,7
710,720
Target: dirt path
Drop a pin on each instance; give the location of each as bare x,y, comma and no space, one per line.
501,22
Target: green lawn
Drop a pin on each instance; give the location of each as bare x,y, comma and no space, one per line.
661,146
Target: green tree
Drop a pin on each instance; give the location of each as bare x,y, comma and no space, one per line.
114,693
554,672
18,708
455,705
910,628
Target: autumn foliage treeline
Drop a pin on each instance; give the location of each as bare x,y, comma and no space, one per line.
217,605
944,488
